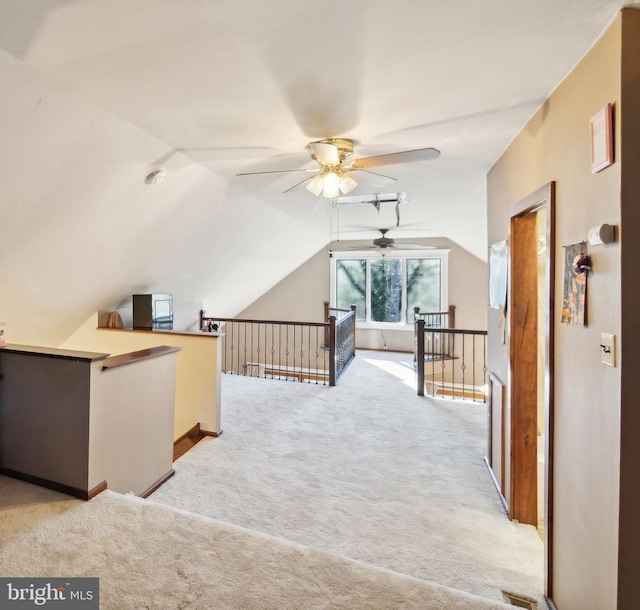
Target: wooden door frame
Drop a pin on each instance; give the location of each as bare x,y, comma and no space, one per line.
543,197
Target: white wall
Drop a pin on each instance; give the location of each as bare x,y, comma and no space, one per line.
82,232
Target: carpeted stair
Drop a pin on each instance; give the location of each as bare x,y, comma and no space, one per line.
157,557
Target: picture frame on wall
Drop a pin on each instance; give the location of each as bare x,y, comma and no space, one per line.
600,129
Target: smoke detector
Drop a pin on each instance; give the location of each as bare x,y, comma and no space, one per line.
156,176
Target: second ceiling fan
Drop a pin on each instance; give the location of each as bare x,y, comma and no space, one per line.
383,244
333,175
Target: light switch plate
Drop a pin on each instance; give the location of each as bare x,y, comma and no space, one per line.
608,349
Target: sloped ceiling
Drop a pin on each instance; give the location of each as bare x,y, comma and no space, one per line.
98,93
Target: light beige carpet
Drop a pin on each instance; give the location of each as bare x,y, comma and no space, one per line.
367,470
149,556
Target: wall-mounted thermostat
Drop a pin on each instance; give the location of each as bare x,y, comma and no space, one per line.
602,234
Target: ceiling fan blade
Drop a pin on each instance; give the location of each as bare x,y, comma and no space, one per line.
407,156
400,246
325,154
281,171
297,186
373,179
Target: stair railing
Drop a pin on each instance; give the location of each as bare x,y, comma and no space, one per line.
312,352
451,362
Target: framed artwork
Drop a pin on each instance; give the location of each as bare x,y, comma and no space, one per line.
600,129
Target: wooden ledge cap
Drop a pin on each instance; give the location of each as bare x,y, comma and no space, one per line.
143,354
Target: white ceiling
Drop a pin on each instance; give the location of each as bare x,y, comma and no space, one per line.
225,87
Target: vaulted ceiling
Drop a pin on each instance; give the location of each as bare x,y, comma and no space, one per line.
98,93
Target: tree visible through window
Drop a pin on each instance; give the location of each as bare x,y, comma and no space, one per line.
387,289
351,286
424,288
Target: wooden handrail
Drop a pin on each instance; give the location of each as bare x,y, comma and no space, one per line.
250,321
453,331
450,313
144,354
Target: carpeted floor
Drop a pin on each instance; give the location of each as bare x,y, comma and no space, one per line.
154,557
356,498
366,470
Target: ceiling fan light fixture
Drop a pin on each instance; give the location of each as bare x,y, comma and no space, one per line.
315,186
330,184
347,184
333,155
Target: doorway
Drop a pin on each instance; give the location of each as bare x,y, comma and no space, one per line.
531,290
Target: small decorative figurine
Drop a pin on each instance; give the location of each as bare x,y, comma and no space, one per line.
580,264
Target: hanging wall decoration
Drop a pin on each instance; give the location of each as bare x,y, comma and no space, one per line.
576,269
498,264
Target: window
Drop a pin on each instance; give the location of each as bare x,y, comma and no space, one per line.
351,285
386,289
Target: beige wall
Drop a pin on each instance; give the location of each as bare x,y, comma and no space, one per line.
197,374
555,146
300,296
131,424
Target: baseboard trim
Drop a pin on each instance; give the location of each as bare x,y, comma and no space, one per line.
97,490
191,433
505,504
82,494
161,481
189,439
196,432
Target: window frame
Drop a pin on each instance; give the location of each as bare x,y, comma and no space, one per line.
369,255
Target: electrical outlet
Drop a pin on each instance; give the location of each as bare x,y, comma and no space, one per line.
608,349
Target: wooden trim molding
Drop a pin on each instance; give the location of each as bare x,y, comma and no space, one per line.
189,439
96,490
161,481
53,352
82,494
191,433
143,354
544,197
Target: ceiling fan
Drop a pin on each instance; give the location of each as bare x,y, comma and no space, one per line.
336,167
387,243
